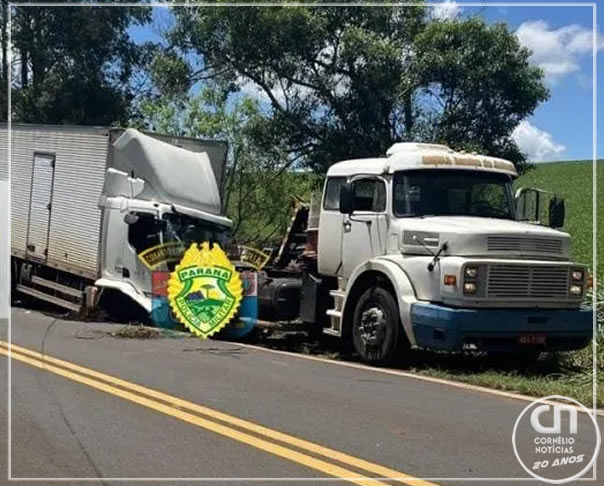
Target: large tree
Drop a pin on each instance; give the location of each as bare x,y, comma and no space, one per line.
76,63
349,81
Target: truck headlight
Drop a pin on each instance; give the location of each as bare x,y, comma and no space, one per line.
577,275
576,289
471,272
469,288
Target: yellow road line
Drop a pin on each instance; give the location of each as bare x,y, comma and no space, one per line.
42,361
261,444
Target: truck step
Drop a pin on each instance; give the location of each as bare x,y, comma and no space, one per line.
49,298
63,289
332,332
335,319
338,299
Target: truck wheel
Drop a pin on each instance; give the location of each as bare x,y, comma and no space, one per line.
376,326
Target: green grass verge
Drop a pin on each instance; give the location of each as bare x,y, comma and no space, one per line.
568,374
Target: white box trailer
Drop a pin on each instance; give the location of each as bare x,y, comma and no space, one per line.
60,194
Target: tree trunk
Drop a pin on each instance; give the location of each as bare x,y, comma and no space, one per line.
24,80
24,21
408,111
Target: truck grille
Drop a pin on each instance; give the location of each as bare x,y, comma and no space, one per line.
518,281
533,244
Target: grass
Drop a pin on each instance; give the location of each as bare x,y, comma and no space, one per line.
569,374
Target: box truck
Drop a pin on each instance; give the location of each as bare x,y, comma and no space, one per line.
87,201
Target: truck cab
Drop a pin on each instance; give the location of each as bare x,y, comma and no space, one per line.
157,200
430,248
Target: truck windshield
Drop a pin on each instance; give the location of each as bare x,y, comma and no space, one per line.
452,192
188,230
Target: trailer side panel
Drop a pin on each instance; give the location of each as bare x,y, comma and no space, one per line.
73,219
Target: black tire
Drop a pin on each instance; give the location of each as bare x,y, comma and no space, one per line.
376,328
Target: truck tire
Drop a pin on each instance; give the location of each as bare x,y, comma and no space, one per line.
376,327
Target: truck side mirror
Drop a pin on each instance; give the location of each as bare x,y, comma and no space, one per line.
346,198
130,218
556,212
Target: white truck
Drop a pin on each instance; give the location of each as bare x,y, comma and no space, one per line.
87,201
430,248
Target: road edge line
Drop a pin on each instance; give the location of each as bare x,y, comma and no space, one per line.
408,374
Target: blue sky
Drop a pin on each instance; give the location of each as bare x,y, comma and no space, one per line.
561,40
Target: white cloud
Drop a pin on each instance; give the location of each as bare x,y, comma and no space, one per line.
446,10
557,51
537,144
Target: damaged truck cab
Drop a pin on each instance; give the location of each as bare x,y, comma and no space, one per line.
427,247
157,200
102,215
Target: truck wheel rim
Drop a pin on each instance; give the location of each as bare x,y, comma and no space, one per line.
373,322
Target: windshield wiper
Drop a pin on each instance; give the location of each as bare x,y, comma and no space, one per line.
436,255
414,215
436,258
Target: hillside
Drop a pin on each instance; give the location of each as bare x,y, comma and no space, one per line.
574,182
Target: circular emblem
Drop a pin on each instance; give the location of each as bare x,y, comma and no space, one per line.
556,442
204,290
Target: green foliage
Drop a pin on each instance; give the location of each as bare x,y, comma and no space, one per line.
346,82
478,84
259,185
76,65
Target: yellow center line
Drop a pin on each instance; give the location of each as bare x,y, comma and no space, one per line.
176,407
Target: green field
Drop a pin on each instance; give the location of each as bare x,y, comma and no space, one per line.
574,182
568,374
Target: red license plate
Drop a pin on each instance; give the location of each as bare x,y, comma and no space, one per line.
532,339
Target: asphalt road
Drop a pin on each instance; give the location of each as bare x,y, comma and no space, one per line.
340,422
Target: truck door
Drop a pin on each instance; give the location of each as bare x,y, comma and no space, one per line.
40,205
364,231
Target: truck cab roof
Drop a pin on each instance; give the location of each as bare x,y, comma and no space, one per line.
409,155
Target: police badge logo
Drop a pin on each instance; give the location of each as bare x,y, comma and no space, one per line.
205,290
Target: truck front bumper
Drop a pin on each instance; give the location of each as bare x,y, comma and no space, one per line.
507,330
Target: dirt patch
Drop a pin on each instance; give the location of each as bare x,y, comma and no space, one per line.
136,332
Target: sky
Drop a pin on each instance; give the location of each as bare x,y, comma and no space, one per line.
561,39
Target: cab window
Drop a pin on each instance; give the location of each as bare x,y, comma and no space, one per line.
331,202
369,195
144,234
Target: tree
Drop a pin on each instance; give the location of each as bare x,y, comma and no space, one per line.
345,82
257,188
477,84
77,64
331,75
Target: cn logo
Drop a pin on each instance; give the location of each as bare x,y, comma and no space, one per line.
557,427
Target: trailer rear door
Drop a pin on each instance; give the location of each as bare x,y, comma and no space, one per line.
41,205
